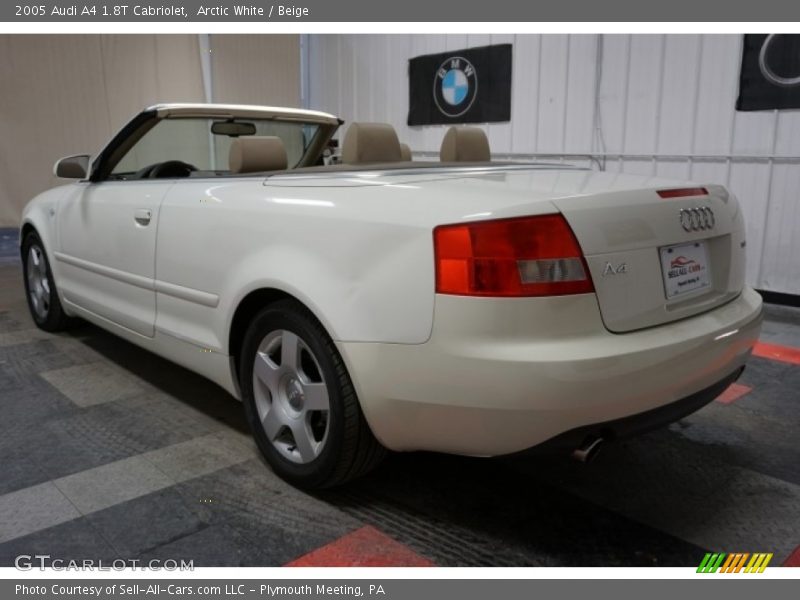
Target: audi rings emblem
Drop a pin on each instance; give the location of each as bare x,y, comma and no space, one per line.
697,219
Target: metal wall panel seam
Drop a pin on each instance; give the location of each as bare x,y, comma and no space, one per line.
732,131
625,100
771,174
697,82
538,93
566,95
659,101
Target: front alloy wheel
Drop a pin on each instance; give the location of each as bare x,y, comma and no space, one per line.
40,287
38,283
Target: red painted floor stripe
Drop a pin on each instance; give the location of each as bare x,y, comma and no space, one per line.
794,559
365,547
777,352
734,392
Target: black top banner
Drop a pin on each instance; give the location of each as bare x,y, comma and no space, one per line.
461,86
770,76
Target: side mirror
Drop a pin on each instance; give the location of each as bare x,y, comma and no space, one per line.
72,167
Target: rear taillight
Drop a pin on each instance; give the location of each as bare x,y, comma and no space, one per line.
683,192
528,256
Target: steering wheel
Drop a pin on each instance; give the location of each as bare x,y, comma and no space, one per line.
171,168
144,172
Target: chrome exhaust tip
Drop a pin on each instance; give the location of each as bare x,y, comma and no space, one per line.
588,451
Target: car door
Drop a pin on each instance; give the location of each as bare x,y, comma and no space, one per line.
107,245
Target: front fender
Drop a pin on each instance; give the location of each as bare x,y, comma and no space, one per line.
41,215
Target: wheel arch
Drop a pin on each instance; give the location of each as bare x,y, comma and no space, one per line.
247,308
27,227
358,449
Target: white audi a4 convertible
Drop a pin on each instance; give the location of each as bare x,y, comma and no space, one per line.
461,306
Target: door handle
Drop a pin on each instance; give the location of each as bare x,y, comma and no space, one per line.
142,216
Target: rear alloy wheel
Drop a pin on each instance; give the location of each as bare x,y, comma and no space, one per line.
291,396
300,401
40,288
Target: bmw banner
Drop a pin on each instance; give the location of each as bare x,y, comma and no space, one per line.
770,76
461,86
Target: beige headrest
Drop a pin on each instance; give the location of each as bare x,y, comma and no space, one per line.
252,154
405,152
465,144
370,143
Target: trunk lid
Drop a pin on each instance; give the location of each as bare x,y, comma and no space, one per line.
654,260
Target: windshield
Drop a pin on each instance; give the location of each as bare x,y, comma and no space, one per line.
204,144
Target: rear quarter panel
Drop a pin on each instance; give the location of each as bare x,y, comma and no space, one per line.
366,274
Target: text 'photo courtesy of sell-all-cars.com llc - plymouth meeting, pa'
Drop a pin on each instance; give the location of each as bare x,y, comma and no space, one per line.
461,306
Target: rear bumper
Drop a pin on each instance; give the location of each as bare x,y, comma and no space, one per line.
639,423
500,376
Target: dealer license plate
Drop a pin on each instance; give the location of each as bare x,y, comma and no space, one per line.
685,268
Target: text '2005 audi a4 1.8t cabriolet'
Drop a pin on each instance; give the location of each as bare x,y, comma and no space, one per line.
461,305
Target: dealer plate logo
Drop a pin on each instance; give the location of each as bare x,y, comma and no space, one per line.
455,86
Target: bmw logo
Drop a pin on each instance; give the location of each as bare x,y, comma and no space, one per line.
455,86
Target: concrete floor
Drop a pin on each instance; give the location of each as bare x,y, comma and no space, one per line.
107,451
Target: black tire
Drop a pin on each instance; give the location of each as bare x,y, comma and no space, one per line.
348,449
49,314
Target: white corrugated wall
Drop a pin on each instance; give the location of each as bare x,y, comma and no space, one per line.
665,106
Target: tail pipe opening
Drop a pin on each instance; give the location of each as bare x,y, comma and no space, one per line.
588,450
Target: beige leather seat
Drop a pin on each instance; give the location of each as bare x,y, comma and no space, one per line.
253,154
405,152
465,144
370,143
